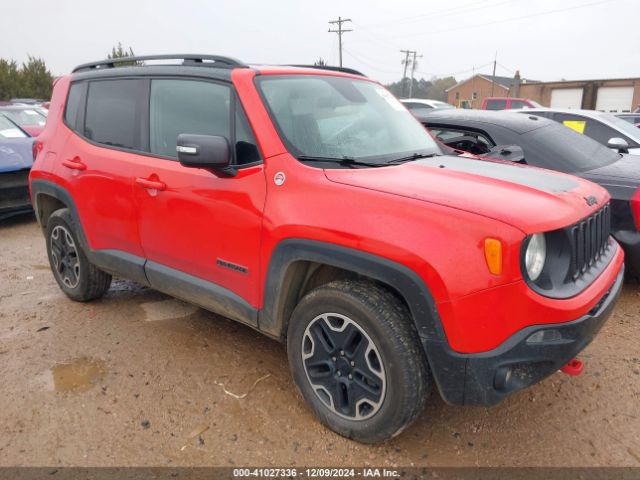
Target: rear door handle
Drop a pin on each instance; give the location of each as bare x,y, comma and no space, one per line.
151,184
74,164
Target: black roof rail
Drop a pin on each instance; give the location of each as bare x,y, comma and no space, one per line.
332,68
187,59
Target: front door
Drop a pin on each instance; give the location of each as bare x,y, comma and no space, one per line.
201,227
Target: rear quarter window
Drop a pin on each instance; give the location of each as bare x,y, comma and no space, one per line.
74,105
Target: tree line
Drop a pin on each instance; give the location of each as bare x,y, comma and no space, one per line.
32,79
433,89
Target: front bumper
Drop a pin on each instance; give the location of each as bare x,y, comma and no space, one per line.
488,377
14,193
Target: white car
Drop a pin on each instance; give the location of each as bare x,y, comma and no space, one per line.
605,128
420,106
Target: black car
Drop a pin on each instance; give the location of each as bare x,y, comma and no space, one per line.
544,143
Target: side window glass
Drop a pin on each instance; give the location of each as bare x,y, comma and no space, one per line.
496,104
246,148
73,107
518,104
186,106
601,132
113,117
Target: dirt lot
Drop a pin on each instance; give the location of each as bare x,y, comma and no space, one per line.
137,379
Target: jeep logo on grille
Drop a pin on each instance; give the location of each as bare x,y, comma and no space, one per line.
591,200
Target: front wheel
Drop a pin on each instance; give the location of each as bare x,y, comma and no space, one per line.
356,359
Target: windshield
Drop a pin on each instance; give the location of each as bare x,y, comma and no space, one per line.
438,104
9,130
337,117
559,148
24,116
625,127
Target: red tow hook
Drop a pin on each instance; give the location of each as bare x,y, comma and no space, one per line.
573,368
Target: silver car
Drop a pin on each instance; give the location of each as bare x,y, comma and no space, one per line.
605,128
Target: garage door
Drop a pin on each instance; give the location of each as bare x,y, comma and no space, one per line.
566,98
614,99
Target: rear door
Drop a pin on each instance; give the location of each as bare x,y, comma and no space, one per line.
98,158
200,226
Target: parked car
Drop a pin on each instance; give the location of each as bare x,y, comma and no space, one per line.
16,158
604,128
27,101
312,206
507,103
419,106
27,117
546,144
629,117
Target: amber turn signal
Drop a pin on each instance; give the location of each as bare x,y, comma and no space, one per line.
493,255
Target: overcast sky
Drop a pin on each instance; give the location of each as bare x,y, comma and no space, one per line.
544,39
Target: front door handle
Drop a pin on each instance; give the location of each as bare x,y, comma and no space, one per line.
151,184
74,163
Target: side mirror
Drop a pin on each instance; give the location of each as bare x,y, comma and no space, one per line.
510,153
204,151
619,144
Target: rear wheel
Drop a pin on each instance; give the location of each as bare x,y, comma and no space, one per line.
78,278
357,361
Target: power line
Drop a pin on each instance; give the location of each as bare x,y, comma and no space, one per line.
510,19
442,13
340,31
369,63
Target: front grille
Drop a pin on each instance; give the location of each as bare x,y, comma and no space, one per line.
589,241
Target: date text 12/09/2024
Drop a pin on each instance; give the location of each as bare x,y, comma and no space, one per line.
315,472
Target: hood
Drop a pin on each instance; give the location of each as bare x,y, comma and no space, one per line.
16,154
625,170
528,198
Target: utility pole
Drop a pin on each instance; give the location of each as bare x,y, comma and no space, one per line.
406,64
493,77
340,31
413,69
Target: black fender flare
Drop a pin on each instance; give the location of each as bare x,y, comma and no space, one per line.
447,367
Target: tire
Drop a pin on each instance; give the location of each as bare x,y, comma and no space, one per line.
78,278
357,328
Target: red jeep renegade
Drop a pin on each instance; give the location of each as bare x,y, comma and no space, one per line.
312,206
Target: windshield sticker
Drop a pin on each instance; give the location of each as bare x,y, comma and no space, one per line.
576,125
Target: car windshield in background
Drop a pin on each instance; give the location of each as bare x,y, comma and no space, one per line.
343,118
560,148
9,130
24,116
442,105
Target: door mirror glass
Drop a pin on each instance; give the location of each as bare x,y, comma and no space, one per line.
510,153
619,144
204,151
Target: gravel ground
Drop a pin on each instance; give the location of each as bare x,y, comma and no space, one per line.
138,378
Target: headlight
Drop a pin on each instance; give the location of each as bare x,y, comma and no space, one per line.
535,256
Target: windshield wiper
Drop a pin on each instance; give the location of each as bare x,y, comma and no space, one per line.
346,161
410,158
